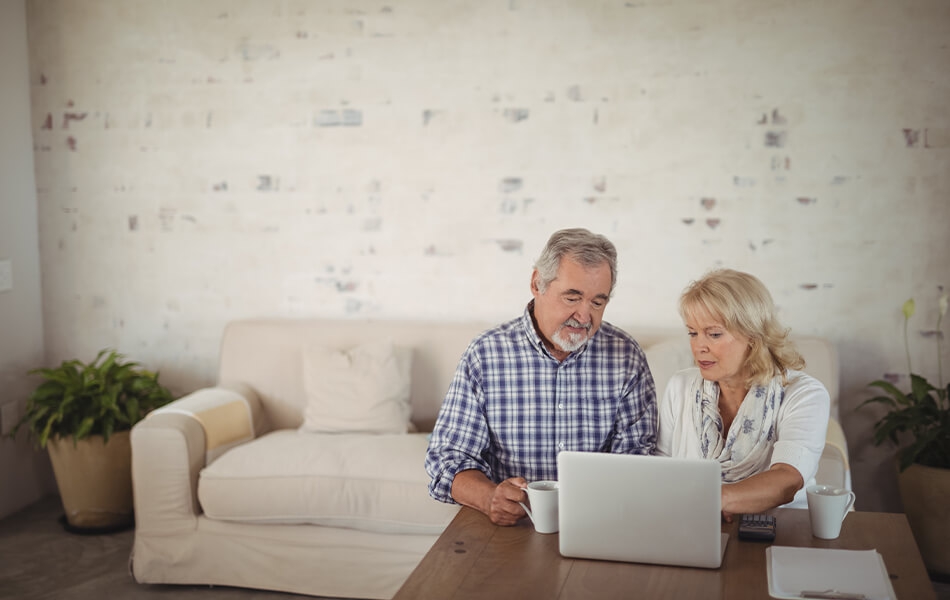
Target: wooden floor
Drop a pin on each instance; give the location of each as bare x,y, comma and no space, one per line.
39,560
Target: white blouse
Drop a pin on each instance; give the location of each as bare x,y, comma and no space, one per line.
801,425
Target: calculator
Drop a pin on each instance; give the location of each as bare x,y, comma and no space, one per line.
757,527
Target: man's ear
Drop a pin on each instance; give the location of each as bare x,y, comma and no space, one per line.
534,283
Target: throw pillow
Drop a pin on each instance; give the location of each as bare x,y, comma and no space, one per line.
364,389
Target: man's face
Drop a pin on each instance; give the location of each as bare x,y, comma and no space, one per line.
571,309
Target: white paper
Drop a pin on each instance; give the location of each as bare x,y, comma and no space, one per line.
792,570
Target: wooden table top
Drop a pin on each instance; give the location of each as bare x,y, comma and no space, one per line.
476,559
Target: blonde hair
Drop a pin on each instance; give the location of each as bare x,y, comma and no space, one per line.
743,305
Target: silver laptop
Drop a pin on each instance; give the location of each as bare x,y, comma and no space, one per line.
647,509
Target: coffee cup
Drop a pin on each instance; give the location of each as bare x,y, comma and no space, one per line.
827,507
542,498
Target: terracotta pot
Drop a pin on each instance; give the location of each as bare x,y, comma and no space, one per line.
94,479
925,492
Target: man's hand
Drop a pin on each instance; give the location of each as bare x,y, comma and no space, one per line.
504,508
498,501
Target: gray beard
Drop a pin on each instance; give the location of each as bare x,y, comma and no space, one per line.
569,342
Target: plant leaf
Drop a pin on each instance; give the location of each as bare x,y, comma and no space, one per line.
85,426
879,399
132,410
920,387
99,398
888,387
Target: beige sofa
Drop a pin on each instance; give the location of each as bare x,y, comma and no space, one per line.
229,491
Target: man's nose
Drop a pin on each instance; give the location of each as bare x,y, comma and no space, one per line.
582,315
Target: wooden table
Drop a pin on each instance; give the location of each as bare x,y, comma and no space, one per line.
476,559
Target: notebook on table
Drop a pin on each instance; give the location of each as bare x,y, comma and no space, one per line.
647,509
791,572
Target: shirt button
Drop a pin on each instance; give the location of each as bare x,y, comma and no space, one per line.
560,445
560,405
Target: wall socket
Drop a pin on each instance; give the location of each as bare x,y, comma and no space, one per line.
9,415
6,275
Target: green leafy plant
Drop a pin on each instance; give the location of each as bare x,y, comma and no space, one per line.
918,421
103,397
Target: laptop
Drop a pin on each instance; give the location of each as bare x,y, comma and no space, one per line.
646,509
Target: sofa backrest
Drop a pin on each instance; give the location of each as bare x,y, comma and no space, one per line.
267,354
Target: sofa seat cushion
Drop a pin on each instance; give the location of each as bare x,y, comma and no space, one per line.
370,482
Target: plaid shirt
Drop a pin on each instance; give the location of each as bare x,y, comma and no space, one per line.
512,407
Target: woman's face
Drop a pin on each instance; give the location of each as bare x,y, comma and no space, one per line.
719,353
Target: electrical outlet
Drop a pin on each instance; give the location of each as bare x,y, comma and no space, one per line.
9,415
6,275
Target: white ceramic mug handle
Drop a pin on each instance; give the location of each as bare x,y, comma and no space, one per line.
848,506
527,511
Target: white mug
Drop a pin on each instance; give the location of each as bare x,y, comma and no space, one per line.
827,508
542,496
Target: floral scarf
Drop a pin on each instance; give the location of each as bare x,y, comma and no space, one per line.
746,449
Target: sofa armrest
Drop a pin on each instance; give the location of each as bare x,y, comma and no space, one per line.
171,446
833,467
835,440
228,415
168,451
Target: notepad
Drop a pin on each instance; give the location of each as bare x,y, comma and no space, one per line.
792,570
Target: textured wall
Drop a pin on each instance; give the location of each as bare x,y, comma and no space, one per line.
198,162
25,475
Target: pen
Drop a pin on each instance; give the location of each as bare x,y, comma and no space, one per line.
831,595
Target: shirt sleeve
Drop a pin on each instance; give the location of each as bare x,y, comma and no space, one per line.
460,436
635,430
802,425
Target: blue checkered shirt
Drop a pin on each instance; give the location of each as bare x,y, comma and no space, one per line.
512,407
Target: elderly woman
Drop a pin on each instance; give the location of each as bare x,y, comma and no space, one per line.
745,403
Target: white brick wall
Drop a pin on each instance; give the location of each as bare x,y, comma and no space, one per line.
198,162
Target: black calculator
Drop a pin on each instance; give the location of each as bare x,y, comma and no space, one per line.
760,527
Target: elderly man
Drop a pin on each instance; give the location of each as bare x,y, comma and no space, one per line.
556,378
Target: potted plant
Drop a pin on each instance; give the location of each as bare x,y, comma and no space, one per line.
918,423
83,414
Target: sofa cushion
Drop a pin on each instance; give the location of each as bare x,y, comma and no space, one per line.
666,358
369,482
364,389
